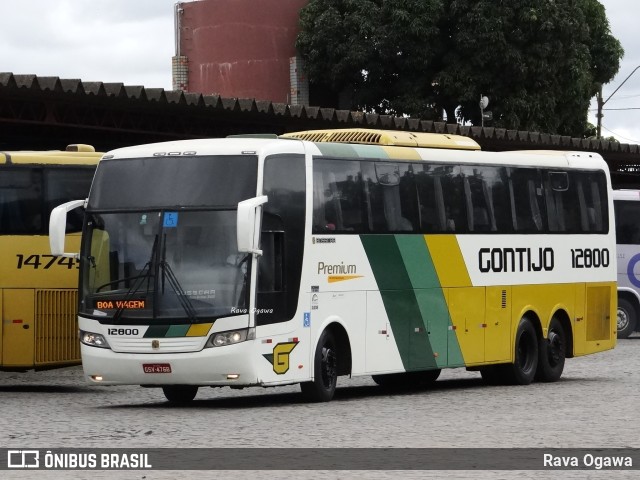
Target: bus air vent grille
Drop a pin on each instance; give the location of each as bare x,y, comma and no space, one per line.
56,331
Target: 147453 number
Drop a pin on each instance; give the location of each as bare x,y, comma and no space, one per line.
45,261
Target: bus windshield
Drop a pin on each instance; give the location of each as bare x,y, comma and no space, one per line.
173,259
163,265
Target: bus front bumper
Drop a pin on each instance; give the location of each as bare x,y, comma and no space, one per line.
230,365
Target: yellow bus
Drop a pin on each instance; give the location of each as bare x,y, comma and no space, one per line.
271,261
38,292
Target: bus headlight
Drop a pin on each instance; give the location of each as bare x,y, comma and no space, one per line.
93,339
230,337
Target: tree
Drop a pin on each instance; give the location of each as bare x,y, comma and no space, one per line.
539,61
374,54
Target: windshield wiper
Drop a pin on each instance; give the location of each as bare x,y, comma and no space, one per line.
139,279
184,300
167,272
148,272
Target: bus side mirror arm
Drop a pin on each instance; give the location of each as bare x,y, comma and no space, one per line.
58,228
247,230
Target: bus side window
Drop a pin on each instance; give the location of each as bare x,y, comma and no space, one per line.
431,211
271,263
338,196
478,199
454,200
593,188
576,202
535,207
408,198
627,222
20,194
320,222
394,186
584,212
528,200
554,184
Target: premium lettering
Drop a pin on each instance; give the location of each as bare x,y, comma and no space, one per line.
338,269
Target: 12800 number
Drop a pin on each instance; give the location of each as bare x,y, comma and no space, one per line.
45,261
589,257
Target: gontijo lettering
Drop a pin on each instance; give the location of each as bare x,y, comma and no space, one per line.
515,259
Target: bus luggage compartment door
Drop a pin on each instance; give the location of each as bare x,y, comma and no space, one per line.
593,331
17,328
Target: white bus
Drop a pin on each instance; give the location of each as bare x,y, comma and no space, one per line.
627,211
273,261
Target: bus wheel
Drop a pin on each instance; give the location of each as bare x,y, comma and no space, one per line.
551,353
523,370
180,393
325,371
626,318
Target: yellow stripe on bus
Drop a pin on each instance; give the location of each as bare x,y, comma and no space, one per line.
341,278
199,330
448,261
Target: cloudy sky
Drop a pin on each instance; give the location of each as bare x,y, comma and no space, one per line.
132,42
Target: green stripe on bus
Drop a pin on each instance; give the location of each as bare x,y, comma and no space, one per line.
177,331
337,150
400,301
156,331
370,151
431,300
417,261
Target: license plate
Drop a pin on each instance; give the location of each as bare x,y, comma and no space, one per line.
156,367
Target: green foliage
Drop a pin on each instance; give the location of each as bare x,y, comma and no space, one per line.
539,61
374,53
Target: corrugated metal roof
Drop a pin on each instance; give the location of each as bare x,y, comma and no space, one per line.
282,118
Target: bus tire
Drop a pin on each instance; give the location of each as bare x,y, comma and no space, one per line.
325,371
180,393
552,353
523,369
627,318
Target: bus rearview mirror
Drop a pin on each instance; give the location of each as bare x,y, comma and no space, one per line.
58,227
247,230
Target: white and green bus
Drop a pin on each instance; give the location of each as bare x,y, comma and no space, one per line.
627,210
273,261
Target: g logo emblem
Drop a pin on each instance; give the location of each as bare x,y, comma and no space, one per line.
280,357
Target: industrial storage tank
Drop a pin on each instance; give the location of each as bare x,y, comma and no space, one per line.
239,48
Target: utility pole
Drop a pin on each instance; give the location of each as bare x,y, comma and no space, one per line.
601,103
599,114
